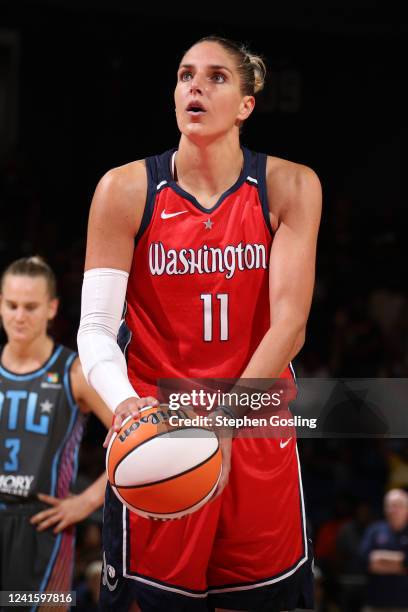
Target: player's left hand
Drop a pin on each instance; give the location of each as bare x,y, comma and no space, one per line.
63,512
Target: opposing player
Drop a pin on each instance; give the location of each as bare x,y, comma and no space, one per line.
44,399
213,248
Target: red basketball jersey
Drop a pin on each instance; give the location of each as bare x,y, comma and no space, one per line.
197,307
198,290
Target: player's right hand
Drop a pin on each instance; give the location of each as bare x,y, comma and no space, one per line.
129,407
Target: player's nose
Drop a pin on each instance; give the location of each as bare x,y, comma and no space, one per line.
20,314
196,84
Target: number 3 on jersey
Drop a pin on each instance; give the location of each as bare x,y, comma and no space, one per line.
13,444
207,299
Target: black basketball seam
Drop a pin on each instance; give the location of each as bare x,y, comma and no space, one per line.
155,482
177,511
147,440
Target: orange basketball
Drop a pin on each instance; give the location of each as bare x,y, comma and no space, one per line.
159,469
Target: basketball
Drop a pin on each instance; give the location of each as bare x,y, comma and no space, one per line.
161,470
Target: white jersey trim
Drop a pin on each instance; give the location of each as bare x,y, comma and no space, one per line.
161,185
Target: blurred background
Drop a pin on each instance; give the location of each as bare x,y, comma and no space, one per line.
88,85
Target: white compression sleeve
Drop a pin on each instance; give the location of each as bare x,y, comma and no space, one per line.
103,363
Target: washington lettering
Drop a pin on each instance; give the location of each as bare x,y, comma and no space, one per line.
206,260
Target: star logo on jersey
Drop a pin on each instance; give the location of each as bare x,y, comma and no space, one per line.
46,406
165,215
208,224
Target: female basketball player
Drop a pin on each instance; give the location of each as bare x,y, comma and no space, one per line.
213,248
43,401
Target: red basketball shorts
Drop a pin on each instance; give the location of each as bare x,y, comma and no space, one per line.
250,536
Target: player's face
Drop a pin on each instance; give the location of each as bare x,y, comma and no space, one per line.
208,97
26,307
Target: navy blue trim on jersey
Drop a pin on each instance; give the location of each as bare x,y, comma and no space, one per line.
124,337
152,182
36,373
166,163
253,166
262,189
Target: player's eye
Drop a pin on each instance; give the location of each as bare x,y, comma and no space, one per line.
186,75
219,77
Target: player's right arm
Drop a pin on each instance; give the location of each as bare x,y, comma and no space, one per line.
114,219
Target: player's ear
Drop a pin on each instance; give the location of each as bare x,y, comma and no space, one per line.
53,308
246,107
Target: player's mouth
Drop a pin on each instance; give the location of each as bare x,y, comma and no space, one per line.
195,108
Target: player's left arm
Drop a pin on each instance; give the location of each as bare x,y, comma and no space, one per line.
295,197
70,510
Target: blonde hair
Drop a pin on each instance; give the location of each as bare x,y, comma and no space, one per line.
32,266
251,67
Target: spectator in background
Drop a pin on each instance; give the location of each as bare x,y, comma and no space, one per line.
385,553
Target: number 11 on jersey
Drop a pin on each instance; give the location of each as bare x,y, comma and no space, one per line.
207,299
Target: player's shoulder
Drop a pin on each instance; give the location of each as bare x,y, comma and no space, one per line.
120,192
125,179
284,174
292,186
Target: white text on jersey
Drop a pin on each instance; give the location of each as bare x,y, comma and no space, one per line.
206,260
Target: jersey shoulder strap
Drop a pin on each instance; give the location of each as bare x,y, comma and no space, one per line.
257,177
158,175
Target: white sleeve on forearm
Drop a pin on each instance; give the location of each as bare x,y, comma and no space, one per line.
103,363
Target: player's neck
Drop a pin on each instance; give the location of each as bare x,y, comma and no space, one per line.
21,358
208,169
